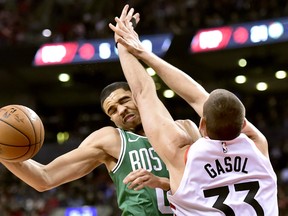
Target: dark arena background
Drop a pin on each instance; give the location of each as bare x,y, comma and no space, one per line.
56,56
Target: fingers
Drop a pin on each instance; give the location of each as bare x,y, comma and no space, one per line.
137,179
124,12
138,187
127,15
121,24
124,15
121,34
130,14
133,175
118,28
122,29
138,183
127,19
137,17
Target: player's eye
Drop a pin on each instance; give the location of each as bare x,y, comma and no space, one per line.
125,100
111,111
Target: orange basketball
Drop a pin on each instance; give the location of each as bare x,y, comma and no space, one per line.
21,133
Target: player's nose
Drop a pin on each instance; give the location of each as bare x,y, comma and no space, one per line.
121,109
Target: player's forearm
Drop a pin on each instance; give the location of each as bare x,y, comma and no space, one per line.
177,80
257,136
28,171
134,72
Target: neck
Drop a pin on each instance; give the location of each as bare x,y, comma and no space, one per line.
139,130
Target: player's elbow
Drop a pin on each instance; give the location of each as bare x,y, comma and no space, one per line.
44,184
42,187
179,140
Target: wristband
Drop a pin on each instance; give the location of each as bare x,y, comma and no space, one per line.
133,21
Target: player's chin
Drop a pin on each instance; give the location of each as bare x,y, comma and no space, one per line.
132,122
132,126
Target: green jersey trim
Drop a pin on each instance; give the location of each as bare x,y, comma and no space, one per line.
122,152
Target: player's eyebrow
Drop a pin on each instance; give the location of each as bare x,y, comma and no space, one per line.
119,101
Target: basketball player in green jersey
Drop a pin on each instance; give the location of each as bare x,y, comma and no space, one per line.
122,149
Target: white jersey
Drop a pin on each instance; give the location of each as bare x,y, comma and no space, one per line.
226,178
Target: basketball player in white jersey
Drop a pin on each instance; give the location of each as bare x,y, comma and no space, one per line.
228,171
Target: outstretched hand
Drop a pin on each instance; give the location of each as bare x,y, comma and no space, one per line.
124,31
129,15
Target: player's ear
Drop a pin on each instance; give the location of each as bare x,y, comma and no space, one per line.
202,127
244,123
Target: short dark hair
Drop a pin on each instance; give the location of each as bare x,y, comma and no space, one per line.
106,91
224,114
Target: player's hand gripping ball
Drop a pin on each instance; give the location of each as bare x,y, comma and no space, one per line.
21,133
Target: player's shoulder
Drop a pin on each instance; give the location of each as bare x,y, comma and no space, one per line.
103,137
103,144
108,129
191,129
106,132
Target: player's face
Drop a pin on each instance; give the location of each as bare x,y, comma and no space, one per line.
121,109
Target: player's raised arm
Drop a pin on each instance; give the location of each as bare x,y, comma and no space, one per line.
256,135
189,90
166,136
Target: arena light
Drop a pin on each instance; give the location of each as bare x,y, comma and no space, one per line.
242,62
150,71
64,77
240,79
168,93
261,86
240,35
281,74
90,51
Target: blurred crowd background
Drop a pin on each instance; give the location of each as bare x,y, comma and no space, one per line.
22,20
21,24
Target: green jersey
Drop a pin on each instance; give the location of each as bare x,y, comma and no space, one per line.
137,152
